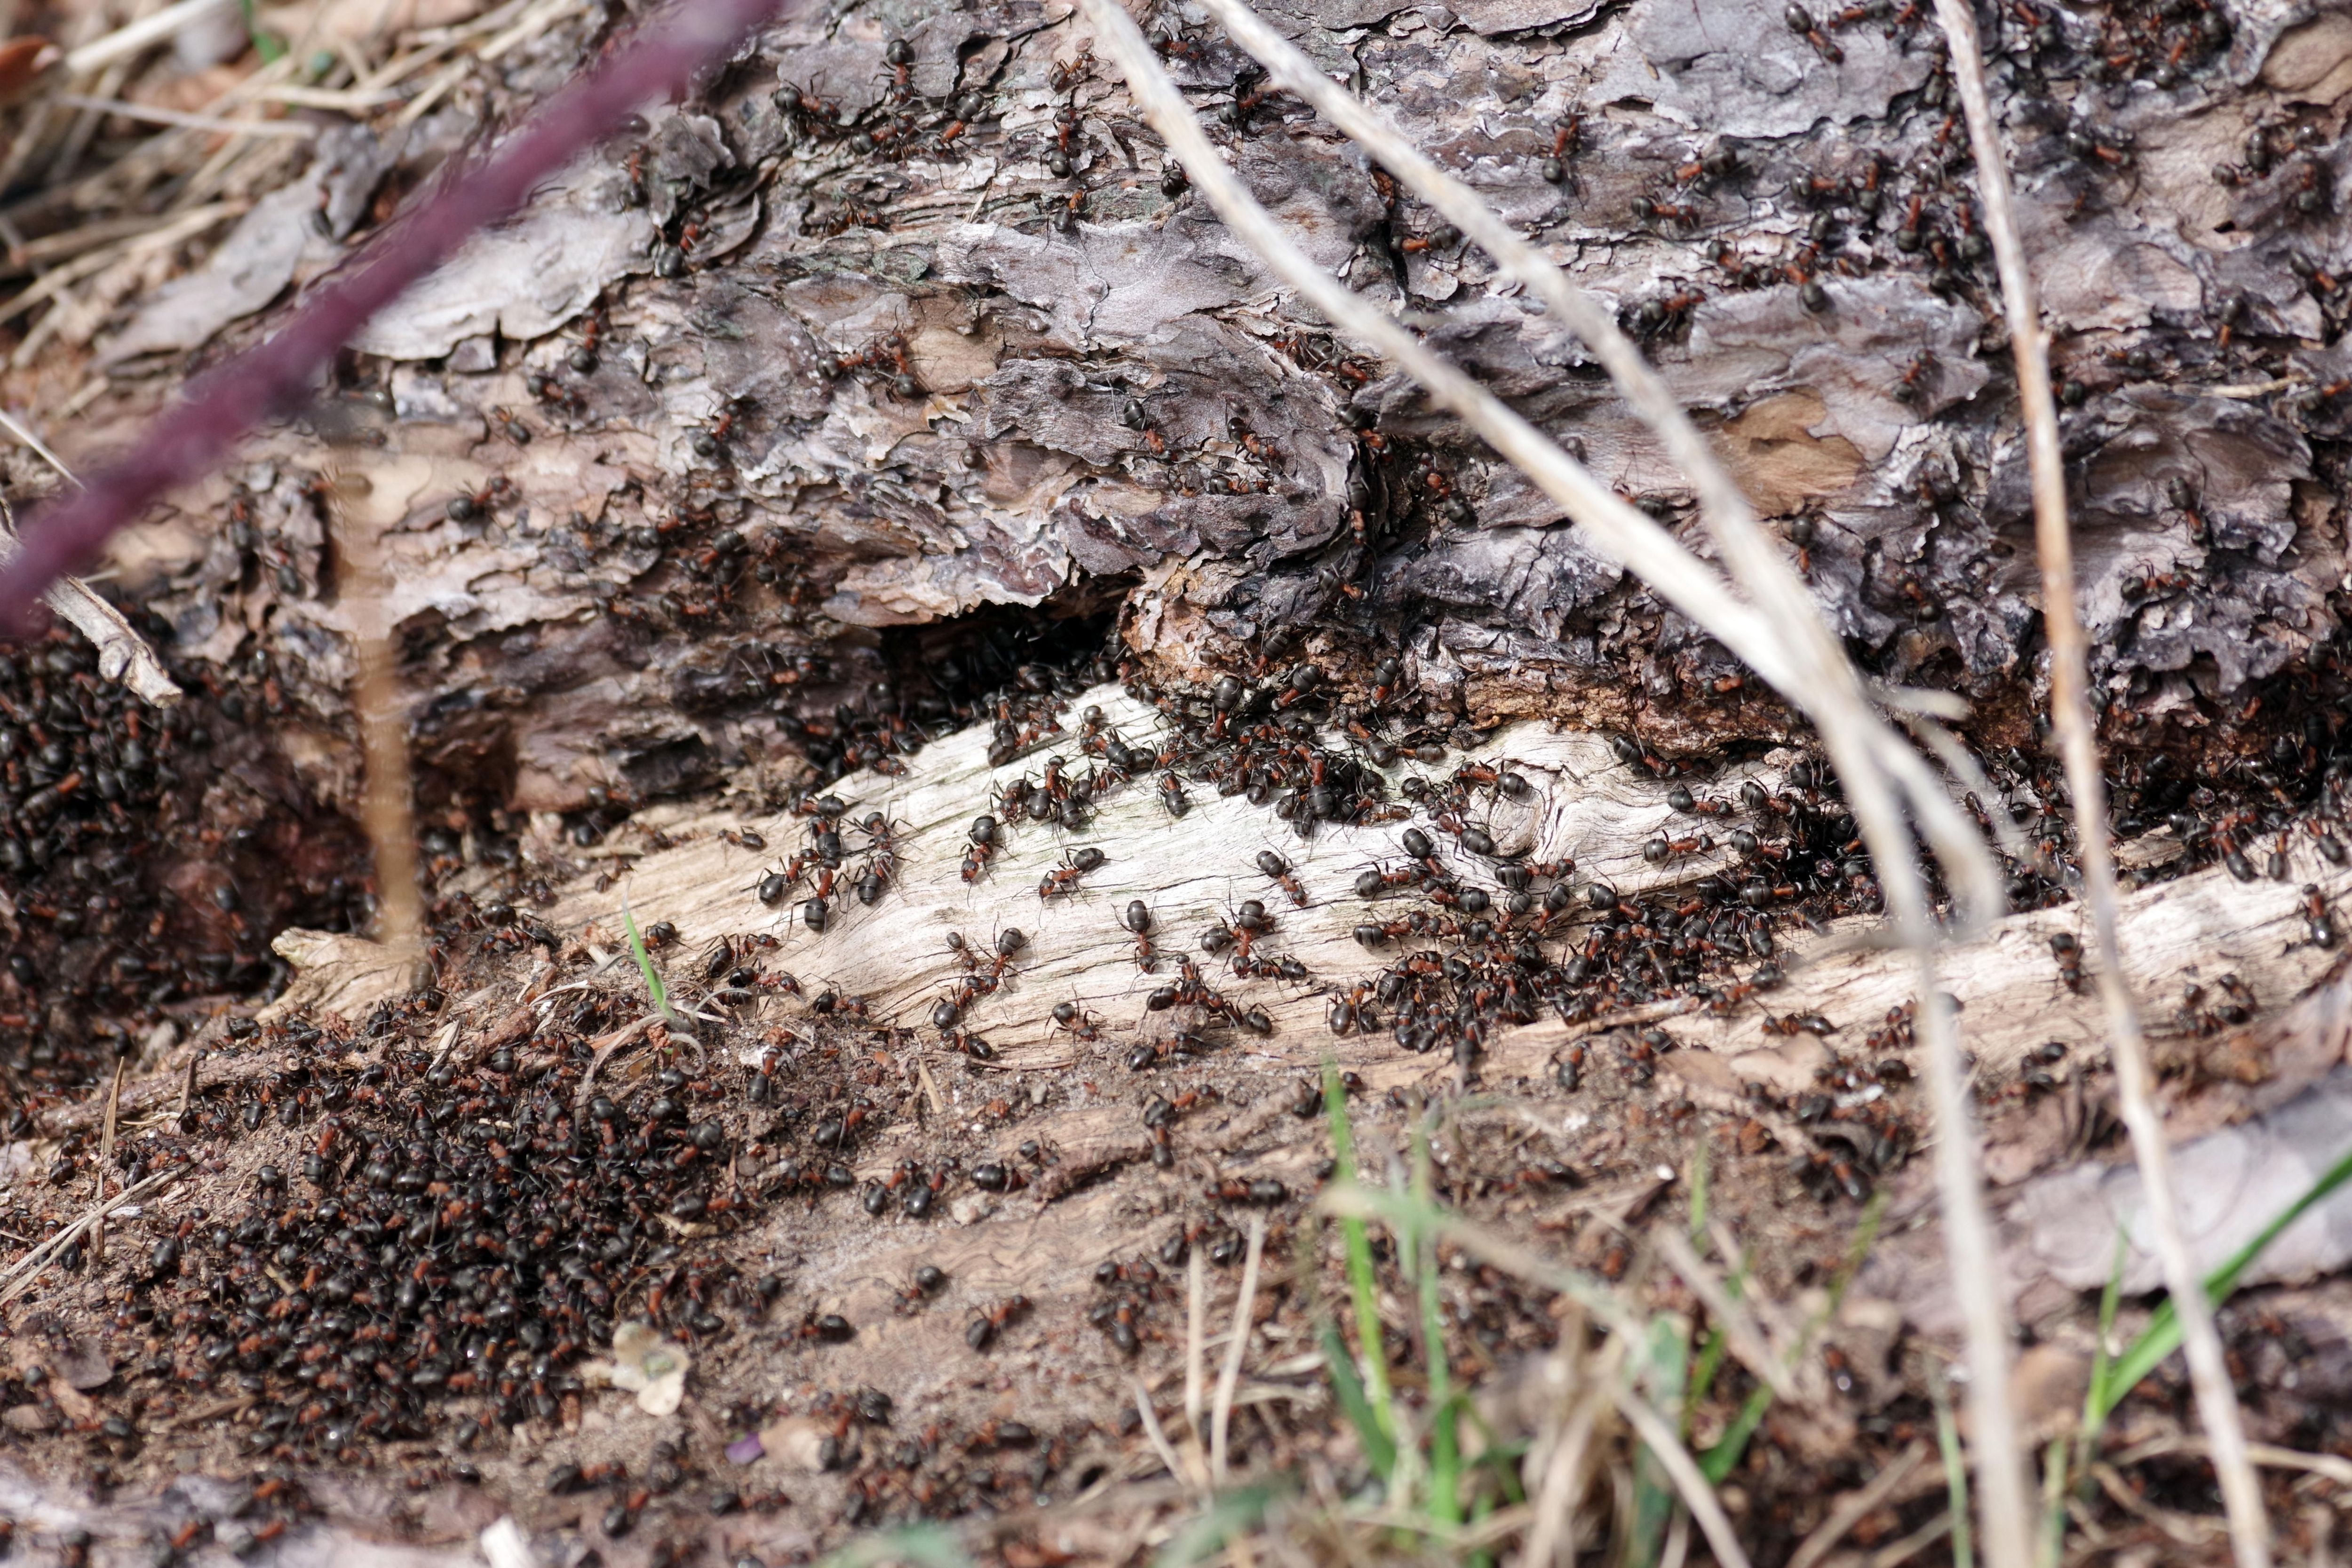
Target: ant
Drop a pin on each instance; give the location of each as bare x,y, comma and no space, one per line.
1171,795
582,358
467,507
929,1279
508,425
1137,918
2184,500
1800,22
1260,1190
993,1319
1248,923
1063,880
985,838
1680,798
1798,1023
1655,317
1373,882
2068,950
1913,383
1353,1013
1649,209
1274,866
2317,923
1082,1025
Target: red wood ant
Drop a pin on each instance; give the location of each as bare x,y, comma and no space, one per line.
1274,866
467,507
2317,923
1063,880
1137,918
1082,1025
2067,948
984,838
993,1319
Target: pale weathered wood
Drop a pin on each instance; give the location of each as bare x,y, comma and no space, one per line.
1194,869
1190,870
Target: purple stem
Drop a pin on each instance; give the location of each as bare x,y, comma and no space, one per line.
276,377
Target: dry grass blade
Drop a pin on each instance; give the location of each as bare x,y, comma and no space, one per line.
1859,746
2070,712
154,114
106,1160
1683,1471
1159,1438
1552,1538
1856,1505
158,27
1739,1325
1196,1343
1913,1545
187,226
1614,524
2327,1467
1236,1347
27,1268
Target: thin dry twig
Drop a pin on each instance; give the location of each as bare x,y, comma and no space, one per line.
1236,1346
155,114
2070,713
123,654
186,226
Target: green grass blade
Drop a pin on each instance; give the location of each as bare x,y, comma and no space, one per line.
1363,1284
1444,1439
2102,1362
1379,1452
1699,1173
1724,1457
1956,1470
2162,1335
1702,1377
2053,1503
266,44
1659,1380
646,967
1234,1514
2098,1395
917,1545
